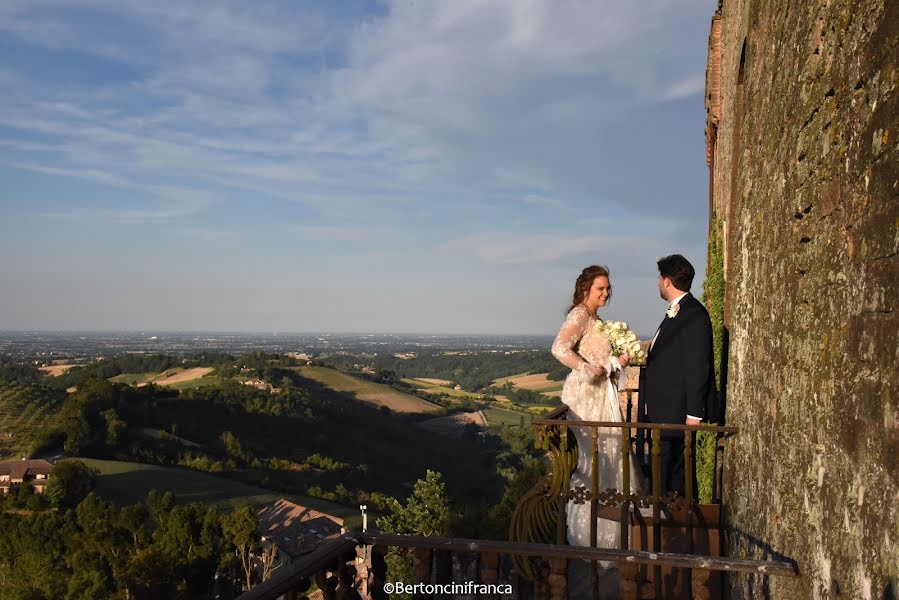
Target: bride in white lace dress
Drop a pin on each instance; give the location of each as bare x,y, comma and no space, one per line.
592,396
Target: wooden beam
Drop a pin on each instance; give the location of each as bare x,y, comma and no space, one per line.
690,561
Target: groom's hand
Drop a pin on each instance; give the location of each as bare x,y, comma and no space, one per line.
691,421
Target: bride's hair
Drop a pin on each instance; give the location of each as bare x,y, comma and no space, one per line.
585,280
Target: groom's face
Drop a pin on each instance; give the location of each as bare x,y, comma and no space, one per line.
664,284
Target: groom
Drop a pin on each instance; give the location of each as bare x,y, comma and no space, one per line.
678,382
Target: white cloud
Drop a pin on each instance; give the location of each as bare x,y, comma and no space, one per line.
692,85
92,174
504,248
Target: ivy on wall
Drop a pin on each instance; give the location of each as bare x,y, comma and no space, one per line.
713,294
713,289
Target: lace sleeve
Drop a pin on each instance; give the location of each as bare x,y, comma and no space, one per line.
572,331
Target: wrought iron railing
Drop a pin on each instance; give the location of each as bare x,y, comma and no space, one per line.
353,566
541,514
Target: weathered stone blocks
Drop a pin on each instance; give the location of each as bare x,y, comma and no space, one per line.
805,181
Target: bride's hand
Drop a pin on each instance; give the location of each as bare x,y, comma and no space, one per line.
595,373
623,360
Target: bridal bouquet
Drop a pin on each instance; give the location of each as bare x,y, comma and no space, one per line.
623,340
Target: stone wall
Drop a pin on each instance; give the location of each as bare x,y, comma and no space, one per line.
805,181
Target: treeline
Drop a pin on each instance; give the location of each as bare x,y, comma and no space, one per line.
472,370
90,548
306,439
523,396
226,365
17,372
154,549
135,363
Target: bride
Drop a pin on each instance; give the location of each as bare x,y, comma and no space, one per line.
591,396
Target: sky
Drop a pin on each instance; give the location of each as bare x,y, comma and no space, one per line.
444,166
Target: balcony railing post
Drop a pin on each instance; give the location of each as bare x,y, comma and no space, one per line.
688,484
327,583
657,507
363,570
628,583
558,578
443,566
700,580
561,523
489,571
626,485
594,503
718,488
345,578
378,577
421,561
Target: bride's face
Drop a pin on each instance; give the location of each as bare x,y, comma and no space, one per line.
598,294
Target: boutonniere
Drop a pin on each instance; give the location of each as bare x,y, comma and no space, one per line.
672,310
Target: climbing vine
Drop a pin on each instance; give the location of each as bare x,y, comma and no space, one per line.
713,289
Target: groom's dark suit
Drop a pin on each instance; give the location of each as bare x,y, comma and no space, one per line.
678,380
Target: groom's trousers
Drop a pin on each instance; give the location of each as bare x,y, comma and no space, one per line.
673,465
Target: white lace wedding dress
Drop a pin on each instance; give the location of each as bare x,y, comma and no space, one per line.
576,346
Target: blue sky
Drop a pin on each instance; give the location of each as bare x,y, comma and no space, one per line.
410,166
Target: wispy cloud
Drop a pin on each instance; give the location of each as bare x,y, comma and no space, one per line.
92,174
504,248
168,204
690,86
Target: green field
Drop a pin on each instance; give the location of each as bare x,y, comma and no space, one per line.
367,391
504,380
138,378
432,388
197,383
133,378
25,410
501,416
128,482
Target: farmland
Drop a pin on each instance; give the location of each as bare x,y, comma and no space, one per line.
25,410
366,391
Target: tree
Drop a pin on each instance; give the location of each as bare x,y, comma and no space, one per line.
240,528
427,512
70,483
151,574
135,519
232,446
81,416
269,555
115,427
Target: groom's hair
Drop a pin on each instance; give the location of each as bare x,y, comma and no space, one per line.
678,269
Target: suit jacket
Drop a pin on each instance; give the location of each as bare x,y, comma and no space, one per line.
679,376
